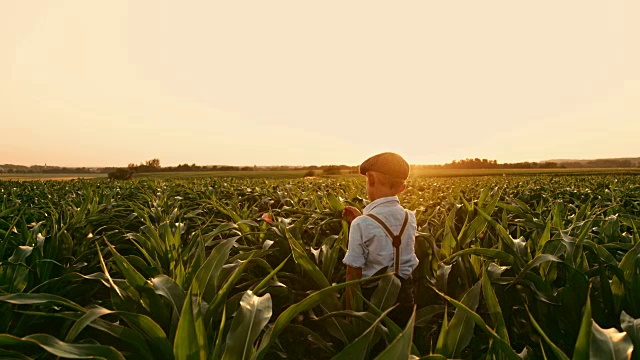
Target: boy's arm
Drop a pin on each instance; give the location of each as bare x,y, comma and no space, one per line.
355,259
353,273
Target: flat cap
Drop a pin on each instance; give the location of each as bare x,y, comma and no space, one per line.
387,163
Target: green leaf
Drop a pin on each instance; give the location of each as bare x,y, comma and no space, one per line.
186,345
35,299
539,259
266,280
506,349
556,350
20,254
546,235
609,344
449,241
150,330
627,265
632,327
493,305
440,344
400,347
460,329
217,303
106,273
359,348
427,313
507,242
62,349
307,303
130,273
301,258
583,344
131,336
218,348
165,286
204,280
386,293
4,354
85,320
335,203
479,223
485,253
249,320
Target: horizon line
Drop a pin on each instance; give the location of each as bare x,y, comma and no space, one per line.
281,165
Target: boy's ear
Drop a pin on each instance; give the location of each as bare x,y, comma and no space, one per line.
371,178
402,188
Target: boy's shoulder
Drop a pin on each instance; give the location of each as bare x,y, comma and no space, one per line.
361,220
365,220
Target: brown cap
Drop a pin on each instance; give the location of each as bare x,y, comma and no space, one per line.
387,163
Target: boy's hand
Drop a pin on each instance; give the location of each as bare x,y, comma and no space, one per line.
350,213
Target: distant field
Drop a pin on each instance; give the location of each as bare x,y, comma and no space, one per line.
50,176
419,173
299,173
237,174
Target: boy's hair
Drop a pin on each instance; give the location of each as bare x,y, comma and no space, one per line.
387,181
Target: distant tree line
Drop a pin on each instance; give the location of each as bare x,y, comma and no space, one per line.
603,163
491,164
154,165
477,163
44,169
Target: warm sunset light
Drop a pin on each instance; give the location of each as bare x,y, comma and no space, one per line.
253,180
86,83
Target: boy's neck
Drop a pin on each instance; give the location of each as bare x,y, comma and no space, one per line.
381,194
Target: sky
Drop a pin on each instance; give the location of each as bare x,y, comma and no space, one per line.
107,83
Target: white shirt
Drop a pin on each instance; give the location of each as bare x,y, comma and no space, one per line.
370,247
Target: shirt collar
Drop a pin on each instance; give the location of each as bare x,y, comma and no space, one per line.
367,209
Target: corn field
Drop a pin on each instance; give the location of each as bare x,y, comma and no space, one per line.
535,267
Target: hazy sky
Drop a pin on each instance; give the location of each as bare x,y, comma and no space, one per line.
97,83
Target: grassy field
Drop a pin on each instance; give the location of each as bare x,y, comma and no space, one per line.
300,173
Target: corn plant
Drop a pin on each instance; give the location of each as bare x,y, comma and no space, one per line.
510,267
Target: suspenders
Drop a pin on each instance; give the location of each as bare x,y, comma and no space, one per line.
396,240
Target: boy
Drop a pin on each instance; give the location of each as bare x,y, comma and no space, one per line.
383,237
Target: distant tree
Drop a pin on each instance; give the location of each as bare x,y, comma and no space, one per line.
121,174
331,171
154,163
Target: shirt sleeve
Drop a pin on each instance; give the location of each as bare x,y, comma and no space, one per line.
357,252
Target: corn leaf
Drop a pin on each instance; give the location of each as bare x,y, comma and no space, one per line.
62,349
204,280
249,320
400,347
386,293
359,348
609,344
